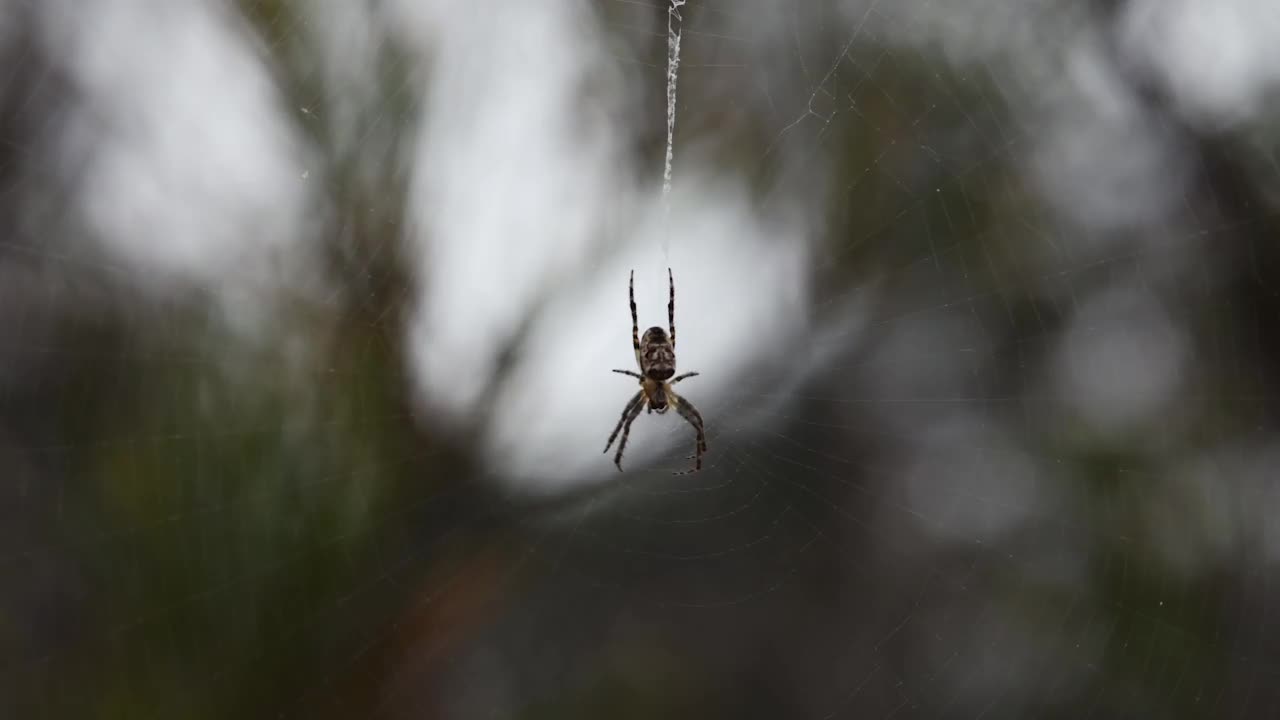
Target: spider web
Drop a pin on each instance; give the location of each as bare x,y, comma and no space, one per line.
1012,458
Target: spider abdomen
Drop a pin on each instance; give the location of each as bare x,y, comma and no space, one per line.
659,362
661,372
657,356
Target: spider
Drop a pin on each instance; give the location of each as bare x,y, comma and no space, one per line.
656,358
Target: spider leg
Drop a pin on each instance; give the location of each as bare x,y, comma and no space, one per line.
632,373
690,413
678,378
671,308
639,402
635,321
632,405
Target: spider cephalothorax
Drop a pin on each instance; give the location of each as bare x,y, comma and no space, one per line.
656,358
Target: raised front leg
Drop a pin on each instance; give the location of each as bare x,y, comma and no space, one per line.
671,308
635,320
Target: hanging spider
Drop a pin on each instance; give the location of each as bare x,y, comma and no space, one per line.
656,358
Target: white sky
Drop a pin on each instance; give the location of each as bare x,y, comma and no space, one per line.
190,172
522,194
524,207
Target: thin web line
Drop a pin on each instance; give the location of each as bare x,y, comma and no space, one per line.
673,69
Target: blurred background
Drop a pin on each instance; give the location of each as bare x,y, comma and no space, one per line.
308,308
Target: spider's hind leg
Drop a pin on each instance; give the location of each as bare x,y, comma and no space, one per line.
629,414
691,414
